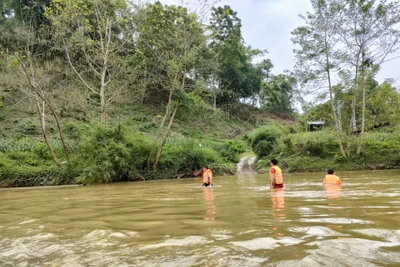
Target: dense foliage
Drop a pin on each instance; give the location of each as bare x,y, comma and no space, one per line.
264,140
107,91
349,40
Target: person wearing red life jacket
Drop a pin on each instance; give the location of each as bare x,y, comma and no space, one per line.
275,175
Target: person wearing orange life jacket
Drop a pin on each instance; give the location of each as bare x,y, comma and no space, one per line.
331,178
206,176
275,175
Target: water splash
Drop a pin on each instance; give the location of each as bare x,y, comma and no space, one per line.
245,165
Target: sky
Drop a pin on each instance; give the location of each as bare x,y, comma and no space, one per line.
266,24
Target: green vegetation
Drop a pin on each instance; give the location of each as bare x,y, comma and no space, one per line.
264,140
352,39
317,151
108,91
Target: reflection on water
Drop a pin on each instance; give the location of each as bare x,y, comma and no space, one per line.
278,203
209,201
332,190
175,223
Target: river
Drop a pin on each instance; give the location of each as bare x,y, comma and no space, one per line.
238,222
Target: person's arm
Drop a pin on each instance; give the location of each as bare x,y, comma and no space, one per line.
272,182
196,173
323,183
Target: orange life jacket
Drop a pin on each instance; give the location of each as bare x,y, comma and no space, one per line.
331,179
207,176
278,174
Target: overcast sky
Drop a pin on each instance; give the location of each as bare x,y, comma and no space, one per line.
266,24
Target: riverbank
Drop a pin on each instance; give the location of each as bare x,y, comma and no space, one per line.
318,151
380,159
107,154
66,175
314,164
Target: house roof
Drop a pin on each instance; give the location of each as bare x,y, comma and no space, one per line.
315,122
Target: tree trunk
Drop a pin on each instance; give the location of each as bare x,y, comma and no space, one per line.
39,94
43,129
103,83
102,102
153,146
359,148
60,134
160,129
165,138
215,101
171,120
338,134
339,106
353,121
214,95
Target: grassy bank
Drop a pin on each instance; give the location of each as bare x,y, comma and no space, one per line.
317,151
118,151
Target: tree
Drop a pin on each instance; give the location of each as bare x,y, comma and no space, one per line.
35,87
237,77
355,37
170,38
370,31
320,112
277,93
35,78
318,57
94,37
383,106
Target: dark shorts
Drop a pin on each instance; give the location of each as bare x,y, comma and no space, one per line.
277,186
205,184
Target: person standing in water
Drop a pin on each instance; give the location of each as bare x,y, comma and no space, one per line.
332,184
206,176
275,175
331,178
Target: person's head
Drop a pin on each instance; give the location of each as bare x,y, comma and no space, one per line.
205,167
330,171
274,162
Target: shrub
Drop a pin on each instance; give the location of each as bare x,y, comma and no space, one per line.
230,150
314,148
265,140
5,162
27,127
18,176
288,144
263,148
181,158
75,130
40,149
112,155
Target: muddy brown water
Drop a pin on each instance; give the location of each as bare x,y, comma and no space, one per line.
238,222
